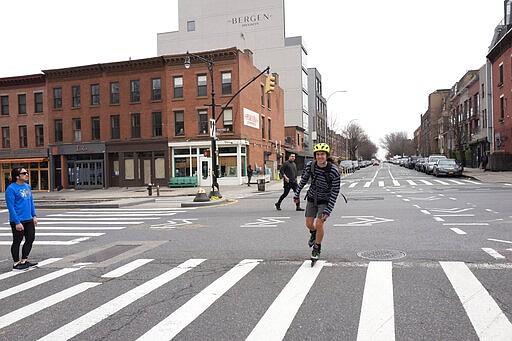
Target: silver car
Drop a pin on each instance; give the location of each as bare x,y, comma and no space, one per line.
432,159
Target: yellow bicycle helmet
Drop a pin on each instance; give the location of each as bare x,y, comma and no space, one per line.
321,147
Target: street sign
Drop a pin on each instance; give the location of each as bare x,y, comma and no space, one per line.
213,132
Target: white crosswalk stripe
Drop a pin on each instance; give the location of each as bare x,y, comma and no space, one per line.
69,223
376,317
408,182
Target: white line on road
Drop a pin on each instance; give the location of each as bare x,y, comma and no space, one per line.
352,185
412,183
62,234
35,307
39,228
473,182
92,219
454,215
396,183
123,270
438,219
102,312
457,230
493,253
500,240
377,321
41,264
368,184
467,224
381,183
488,320
427,182
425,212
35,282
183,316
278,317
441,182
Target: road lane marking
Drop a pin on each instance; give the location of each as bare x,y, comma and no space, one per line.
41,264
493,253
35,307
425,212
441,182
412,183
467,224
473,182
183,316
438,219
97,315
278,317
123,270
62,234
457,182
381,183
457,230
377,320
488,320
368,184
352,185
427,182
35,282
395,183
500,240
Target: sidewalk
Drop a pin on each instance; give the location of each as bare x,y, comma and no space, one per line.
488,176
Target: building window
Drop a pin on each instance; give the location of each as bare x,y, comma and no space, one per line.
178,87
226,83
57,126
95,128
179,123
39,135
77,129
262,95
57,98
6,137
5,105
501,75
201,85
203,121
502,108
115,129
269,129
114,93
135,91
23,136
135,124
38,102
157,123
228,120
262,127
22,104
75,96
191,26
95,94
156,89
268,100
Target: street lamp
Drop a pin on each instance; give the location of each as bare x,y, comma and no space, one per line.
209,62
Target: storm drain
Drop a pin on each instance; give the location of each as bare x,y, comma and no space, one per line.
381,254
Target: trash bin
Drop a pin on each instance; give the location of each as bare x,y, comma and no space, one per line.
261,185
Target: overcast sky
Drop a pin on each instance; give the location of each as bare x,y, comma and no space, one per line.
387,55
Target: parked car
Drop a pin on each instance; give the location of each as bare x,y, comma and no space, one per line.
346,166
419,164
447,167
432,159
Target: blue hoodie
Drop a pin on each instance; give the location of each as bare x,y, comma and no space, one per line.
20,203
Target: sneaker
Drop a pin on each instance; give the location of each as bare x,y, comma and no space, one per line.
20,266
278,206
30,263
312,238
299,209
315,254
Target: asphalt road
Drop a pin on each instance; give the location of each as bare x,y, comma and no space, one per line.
428,259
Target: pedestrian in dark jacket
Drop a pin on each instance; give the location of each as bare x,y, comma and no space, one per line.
288,172
249,175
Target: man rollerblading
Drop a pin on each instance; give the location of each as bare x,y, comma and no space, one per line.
321,196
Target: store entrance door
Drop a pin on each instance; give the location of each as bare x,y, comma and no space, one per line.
205,171
85,174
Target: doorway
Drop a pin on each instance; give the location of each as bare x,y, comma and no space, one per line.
204,171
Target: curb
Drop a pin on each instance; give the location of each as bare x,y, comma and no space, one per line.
206,203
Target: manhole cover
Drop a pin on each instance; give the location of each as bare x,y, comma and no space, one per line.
381,254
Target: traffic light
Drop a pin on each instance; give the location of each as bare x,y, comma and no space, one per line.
270,84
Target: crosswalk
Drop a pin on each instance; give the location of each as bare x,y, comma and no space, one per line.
279,317
408,182
76,226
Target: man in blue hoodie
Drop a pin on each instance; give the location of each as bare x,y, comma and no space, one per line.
22,217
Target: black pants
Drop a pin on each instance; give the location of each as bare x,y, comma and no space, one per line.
287,187
29,232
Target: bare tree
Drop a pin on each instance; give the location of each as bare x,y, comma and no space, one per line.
397,143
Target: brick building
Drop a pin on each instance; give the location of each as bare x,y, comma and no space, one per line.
23,122
134,122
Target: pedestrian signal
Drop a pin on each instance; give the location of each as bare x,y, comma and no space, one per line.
270,84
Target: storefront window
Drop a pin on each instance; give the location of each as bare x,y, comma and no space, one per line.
129,167
228,166
181,166
160,168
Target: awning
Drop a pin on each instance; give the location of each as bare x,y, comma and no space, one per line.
33,159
